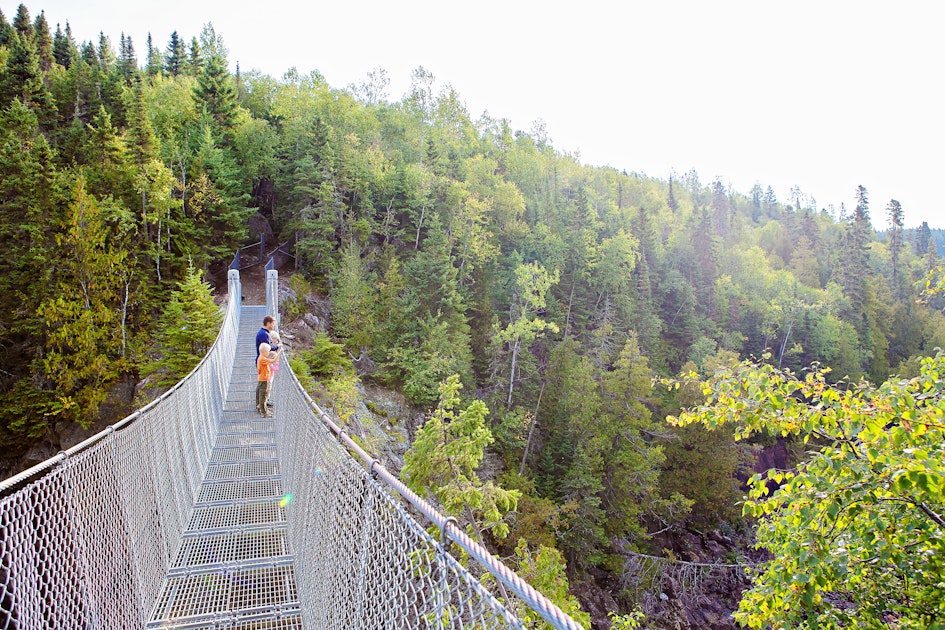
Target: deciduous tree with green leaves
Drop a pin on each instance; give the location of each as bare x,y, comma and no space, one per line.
532,282
857,532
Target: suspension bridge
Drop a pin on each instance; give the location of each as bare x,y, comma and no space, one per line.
196,513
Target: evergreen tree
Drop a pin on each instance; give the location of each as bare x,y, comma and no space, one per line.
44,42
140,139
215,93
83,347
770,203
187,329
64,47
352,301
895,216
127,59
22,22
22,79
435,341
6,30
155,65
28,210
444,457
923,236
176,56
106,56
217,198
671,201
194,64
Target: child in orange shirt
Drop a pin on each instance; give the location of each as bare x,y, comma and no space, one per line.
263,370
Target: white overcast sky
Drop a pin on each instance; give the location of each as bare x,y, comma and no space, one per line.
825,95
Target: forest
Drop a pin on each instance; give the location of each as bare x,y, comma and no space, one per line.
547,317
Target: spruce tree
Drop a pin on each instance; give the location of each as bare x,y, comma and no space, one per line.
127,59
106,56
22,22
443,461
6,29
28,209
64,48
895,216
155,63
215,93
44,42
186,331
22,79
176,55
81,319
193,65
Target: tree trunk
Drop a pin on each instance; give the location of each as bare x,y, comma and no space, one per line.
531,429
508,404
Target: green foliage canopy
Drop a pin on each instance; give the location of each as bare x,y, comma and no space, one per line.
857,532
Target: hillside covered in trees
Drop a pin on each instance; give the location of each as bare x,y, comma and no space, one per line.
467,264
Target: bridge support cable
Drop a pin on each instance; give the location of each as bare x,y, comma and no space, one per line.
411,578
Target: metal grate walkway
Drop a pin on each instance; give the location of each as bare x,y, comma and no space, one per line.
234,568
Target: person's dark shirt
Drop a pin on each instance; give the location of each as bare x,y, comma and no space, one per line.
261,337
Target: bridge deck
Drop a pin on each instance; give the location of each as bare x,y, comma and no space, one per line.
234,568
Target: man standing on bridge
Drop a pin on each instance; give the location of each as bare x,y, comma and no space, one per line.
263,336
269,323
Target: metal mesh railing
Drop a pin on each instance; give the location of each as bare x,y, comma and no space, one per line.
361,560
86,538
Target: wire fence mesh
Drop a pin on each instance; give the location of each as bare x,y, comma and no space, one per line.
361,561
86,538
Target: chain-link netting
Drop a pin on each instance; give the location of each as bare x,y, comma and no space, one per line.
361,561
87,538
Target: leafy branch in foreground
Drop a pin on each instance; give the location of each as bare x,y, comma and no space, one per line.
856,532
